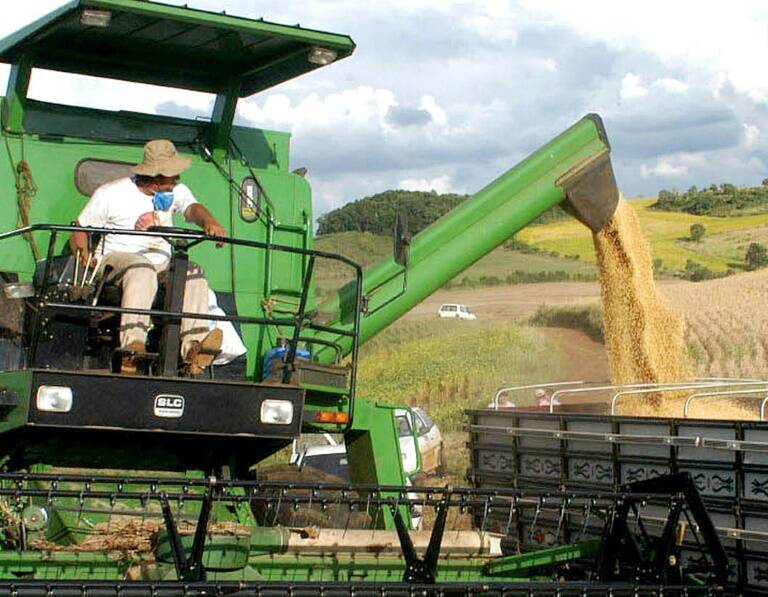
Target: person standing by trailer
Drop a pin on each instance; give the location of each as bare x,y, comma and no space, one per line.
544,398
150,198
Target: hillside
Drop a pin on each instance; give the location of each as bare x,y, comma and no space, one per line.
376,214
501,266
723,246
563,250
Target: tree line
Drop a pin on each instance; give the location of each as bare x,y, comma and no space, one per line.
715,200
376,214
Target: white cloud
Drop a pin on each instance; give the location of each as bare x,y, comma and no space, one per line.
663,169
494,20
671,85
441,184
632,87
350,107
725,39
437,113
547,64
751,135
110,94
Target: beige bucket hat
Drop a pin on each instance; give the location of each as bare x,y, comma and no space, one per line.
161,159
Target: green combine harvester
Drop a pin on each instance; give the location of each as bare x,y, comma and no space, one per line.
146,484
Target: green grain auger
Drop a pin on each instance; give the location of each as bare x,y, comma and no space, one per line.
115,485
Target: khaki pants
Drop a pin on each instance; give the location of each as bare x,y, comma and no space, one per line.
137,277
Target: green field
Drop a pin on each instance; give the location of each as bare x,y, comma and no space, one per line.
447,366
723,246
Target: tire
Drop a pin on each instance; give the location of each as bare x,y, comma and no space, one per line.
334,515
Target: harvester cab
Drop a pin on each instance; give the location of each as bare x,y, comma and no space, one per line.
147,482
62,321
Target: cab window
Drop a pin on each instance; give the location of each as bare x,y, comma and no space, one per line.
426,419
421,428
403,426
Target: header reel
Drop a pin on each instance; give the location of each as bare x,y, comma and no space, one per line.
76,535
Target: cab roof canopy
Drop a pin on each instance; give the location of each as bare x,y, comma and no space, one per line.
147,42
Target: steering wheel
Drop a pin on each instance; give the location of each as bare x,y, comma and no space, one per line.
177,243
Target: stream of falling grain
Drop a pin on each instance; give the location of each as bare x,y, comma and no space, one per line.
644,336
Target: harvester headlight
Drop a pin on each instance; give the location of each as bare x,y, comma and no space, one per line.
277,412
54,399
322,56
95,18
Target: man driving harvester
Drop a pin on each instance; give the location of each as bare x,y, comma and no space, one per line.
149,198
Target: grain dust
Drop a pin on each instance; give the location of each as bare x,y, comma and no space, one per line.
644,336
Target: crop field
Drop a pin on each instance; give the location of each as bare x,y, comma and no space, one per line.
447,366
727,320
723,246
727,323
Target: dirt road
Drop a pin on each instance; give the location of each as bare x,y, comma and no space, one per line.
581,357
510,302
520,301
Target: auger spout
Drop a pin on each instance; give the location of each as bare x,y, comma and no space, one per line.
573,169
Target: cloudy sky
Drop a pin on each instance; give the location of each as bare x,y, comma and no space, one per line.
446,94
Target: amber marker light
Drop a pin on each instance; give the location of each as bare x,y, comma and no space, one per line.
329,416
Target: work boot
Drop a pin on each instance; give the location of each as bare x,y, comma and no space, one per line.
202,353
129,363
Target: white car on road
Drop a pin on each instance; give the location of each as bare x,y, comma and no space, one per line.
455,311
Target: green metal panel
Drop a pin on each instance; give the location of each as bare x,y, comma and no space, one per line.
542,557
18,84
200,50
16,385
470,231
371,444
357,568
54,151
58,565
366,567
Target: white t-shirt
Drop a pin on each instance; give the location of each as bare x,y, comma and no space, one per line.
118,204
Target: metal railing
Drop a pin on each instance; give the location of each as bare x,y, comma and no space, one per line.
667,388
565,389
301,321
762,391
